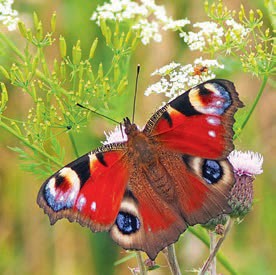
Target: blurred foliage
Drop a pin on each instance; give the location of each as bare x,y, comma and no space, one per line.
28,245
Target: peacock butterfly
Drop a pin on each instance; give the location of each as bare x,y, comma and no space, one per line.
147,189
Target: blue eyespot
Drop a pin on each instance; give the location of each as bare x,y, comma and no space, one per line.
127,223
211,171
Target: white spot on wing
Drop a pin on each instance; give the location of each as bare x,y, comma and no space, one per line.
81,202
93,206
213,120
212,133
61,198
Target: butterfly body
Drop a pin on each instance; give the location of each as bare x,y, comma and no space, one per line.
146,189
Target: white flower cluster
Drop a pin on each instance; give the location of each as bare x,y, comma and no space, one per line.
7,15
236,30
149,19
175,79
211,34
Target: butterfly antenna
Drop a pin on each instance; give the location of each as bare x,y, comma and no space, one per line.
135,93
106,117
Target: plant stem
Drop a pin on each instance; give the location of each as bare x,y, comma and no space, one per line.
12,46
172,260
213,263
253,106
141,265
216,248
72,139
220,257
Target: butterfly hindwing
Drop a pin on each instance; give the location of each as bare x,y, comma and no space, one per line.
199,122
202,186
191,190
88,190
146,221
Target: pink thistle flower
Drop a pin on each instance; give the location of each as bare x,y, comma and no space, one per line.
246,163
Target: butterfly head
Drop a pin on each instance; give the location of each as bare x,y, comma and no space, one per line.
130,128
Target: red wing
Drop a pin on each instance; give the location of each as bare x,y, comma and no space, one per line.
198,122
202,186
154,214
145,221
88,190
189,190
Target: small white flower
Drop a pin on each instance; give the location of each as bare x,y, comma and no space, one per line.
8,16
208,63
175,24
246,163
159,87
209,33
147,17
237,31
166,69
175,79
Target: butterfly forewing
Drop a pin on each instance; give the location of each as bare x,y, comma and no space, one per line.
88,190
198,122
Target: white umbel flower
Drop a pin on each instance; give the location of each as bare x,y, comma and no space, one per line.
209,33
175,79
147,18
8,16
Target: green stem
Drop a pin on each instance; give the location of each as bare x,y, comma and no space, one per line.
47,80
220,257
271,9
215,250
72,139
22,56
141,265
28,144
213,262
172,260
12,46
253,106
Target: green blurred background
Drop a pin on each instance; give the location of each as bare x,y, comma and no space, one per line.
29,245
